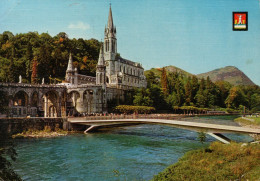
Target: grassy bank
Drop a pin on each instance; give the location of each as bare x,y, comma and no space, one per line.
46,133
249,120
218,162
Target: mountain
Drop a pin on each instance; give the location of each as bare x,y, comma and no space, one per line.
170,68
230,74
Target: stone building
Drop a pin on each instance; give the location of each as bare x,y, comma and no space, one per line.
79,93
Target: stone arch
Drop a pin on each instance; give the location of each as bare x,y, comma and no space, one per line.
35,99
21,98
51,104
88,100
20,103
73,101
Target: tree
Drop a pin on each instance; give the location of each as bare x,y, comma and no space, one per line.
201,137
29,57
164,83
188,92
195,88
235,98
200,97
151,78
179,92
34,77
12,68
157,97
142,97
7,153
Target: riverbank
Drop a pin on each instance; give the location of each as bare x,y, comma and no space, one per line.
234,161
47,132
249,123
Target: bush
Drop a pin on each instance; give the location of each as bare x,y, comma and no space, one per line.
127,109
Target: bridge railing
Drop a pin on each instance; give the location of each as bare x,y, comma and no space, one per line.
133,116
142,116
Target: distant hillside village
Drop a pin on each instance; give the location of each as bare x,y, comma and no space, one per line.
57,76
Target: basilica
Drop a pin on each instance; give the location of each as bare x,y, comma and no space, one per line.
115,76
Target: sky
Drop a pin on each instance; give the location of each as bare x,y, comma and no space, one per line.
194,35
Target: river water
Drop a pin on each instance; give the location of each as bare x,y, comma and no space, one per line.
125,153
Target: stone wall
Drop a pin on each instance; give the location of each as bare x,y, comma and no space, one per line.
18,125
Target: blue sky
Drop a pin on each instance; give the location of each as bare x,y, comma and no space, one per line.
194,35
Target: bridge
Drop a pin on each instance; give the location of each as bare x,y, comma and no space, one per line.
214,130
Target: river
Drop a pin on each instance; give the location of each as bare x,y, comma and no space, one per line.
125,153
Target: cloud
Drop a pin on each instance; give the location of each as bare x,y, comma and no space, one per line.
249,61
79,25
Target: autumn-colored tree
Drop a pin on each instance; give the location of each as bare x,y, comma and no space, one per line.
236,97
164,82
34,76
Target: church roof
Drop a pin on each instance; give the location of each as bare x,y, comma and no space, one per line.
129,62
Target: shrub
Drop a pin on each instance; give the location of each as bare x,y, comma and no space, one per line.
127,109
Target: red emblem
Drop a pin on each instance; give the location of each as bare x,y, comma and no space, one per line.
240,21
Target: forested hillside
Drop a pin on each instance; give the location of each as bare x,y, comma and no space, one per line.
182,92
21,53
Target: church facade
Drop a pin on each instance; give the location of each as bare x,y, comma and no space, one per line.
79,93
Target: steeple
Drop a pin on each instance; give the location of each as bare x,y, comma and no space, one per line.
70,64
110,24
101,60
110,41
101,69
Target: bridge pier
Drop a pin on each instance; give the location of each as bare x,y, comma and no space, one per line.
220,137
90,128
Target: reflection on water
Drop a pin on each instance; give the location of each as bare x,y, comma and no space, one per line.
129,153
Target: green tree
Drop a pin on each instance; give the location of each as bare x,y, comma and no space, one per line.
188,92
29,57
7,153
195,88
142,97
164,83
200,97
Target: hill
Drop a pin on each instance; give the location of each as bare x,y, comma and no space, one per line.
170,68
230,74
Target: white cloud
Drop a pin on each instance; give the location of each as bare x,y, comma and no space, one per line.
79,25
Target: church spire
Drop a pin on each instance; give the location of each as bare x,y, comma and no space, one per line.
110,24
70,64
101,60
